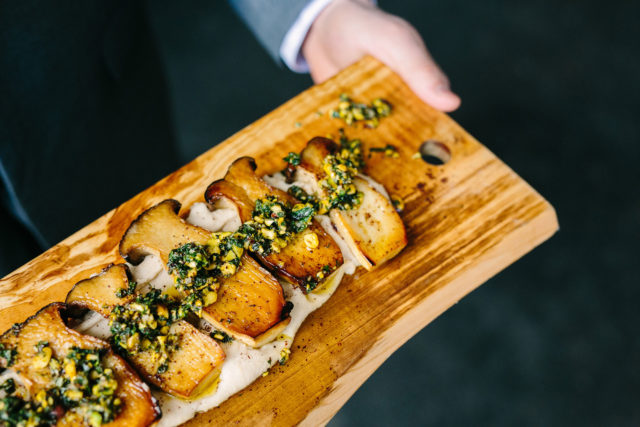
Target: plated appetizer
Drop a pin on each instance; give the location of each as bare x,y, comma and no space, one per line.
206,302
228,288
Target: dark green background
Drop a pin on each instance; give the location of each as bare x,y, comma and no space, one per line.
552,88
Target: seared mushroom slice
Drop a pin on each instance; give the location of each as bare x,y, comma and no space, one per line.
249,304
99,293
157,231
374,231
193,368
139,408
298,261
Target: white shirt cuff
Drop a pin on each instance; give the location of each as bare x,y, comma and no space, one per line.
291,47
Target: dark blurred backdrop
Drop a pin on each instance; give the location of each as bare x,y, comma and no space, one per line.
552,88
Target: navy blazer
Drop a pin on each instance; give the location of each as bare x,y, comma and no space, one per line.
83,99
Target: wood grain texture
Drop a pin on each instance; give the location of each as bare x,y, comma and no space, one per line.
466,221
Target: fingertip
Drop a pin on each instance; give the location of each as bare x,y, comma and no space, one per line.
433,88
441,98
448,102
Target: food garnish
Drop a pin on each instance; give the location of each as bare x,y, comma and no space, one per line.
220,336
351,112
284,356
210,271
8,354
292,159
340,168
279,229
79,382
398,203
143,326
197,268
388,150
368,222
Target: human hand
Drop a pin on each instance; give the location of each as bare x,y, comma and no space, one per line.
346,30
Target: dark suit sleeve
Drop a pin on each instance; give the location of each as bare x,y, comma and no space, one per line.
82,100
269,20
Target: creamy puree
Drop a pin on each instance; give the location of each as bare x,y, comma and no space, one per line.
243,364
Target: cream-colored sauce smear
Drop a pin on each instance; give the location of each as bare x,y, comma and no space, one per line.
243,364
95,325
222,219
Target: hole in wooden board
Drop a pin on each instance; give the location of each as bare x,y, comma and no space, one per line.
435,152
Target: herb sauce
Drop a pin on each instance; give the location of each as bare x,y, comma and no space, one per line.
351,112
143,325
197,269
79,383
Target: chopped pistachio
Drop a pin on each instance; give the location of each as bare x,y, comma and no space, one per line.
340,169
284,356
397,202
351,112
389,151
84,386
292,158
41,360
221,336
311,240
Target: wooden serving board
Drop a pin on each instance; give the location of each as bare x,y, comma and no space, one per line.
466,221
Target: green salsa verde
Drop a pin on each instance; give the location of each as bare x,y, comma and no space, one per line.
197,269
80,383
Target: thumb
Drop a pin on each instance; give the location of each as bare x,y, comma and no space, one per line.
410,59
426,79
